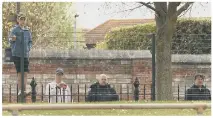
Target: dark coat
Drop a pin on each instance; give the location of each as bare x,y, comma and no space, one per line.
101,93
195,93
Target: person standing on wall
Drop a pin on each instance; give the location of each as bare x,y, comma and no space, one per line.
15,39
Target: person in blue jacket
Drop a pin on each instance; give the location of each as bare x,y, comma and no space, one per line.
17,40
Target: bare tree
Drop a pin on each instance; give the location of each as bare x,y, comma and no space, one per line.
166,14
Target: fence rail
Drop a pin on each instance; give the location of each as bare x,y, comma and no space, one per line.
15,108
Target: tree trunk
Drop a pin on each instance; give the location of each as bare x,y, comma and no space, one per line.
164,35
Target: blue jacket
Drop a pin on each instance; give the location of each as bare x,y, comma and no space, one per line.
16,45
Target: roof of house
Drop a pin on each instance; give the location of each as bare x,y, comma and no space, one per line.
98,33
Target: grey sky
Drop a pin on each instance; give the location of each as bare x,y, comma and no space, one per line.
93,14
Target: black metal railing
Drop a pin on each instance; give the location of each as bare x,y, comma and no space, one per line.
79,94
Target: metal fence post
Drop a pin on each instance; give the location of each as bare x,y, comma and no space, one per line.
17,97
178,92
71,93
22,68
10,94
153,67
2,94
144,91
63,95
56,94
85,94
128,92
42,94
49,94
78,94
121,92
185,92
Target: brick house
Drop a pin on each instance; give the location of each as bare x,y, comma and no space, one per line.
98,33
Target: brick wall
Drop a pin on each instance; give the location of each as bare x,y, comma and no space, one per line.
122,67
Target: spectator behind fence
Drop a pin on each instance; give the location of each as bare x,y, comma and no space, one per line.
58,91
198,91
16,42
101,91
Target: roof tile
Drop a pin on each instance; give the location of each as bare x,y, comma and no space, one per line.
98,33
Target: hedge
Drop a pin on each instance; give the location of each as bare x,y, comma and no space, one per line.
192,36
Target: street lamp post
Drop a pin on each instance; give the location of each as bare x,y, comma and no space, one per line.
75,37
22,59
18,7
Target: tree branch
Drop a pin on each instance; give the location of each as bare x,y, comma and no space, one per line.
173,5
187,11
172,9
148,6
161,7
183,8
131,9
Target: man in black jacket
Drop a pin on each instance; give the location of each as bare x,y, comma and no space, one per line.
102,91
198,91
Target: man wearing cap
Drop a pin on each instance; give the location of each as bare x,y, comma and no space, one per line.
58,91
198,91
16,41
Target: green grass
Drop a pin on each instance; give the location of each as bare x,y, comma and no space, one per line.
116,112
